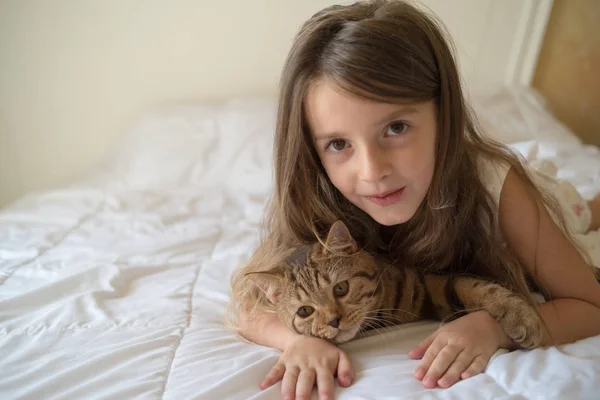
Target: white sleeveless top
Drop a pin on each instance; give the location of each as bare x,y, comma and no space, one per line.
493,174
574,207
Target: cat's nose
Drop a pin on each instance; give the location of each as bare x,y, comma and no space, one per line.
335,322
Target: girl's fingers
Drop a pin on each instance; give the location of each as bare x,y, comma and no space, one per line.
419,351
460,365
275,375
345,370
476,367
304,385
325,384
432,352
440,365
288,385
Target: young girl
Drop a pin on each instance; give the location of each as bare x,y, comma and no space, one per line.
373,129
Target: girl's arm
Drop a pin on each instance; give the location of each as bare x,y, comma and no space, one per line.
569,320
267,330
542,248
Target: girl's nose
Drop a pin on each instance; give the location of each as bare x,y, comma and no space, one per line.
374,165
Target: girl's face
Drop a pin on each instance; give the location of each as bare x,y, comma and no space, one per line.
380,156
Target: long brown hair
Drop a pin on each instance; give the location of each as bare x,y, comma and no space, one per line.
387,51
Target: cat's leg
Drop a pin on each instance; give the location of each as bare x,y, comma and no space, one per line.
438,303
517,318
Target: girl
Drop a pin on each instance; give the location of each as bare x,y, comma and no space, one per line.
373,129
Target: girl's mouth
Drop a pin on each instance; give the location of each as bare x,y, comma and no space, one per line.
387,199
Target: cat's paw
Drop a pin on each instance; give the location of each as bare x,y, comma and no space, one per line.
521,323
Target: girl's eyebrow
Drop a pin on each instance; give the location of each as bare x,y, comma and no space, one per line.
391,116
403,112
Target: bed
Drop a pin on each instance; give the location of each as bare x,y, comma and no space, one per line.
115,286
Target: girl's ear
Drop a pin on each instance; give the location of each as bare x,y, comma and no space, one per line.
340,239
270,282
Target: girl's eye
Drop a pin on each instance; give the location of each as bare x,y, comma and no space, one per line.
396,128
305,311
337,145
341,289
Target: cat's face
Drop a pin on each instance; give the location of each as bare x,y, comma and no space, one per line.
324,293
329,296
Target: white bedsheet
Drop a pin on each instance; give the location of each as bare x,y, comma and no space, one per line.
115,287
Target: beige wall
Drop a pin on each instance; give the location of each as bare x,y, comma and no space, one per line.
568,72
75,73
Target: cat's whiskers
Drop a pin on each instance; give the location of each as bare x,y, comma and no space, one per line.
393,318
372,323
375,325
378,329
393,311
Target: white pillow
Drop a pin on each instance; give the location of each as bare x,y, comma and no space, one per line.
201,145
517,114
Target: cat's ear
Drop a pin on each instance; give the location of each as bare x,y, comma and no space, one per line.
270,282
340,239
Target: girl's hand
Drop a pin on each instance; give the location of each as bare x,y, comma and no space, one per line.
306,360
459,350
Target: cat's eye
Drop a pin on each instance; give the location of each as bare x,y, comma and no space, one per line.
341,289
305,311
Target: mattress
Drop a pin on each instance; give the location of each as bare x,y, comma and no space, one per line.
115,286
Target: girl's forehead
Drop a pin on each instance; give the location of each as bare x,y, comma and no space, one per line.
332,111
325,96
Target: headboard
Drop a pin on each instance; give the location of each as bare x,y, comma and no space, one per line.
496,41
75,74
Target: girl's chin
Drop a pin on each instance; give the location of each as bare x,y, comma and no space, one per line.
390,220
